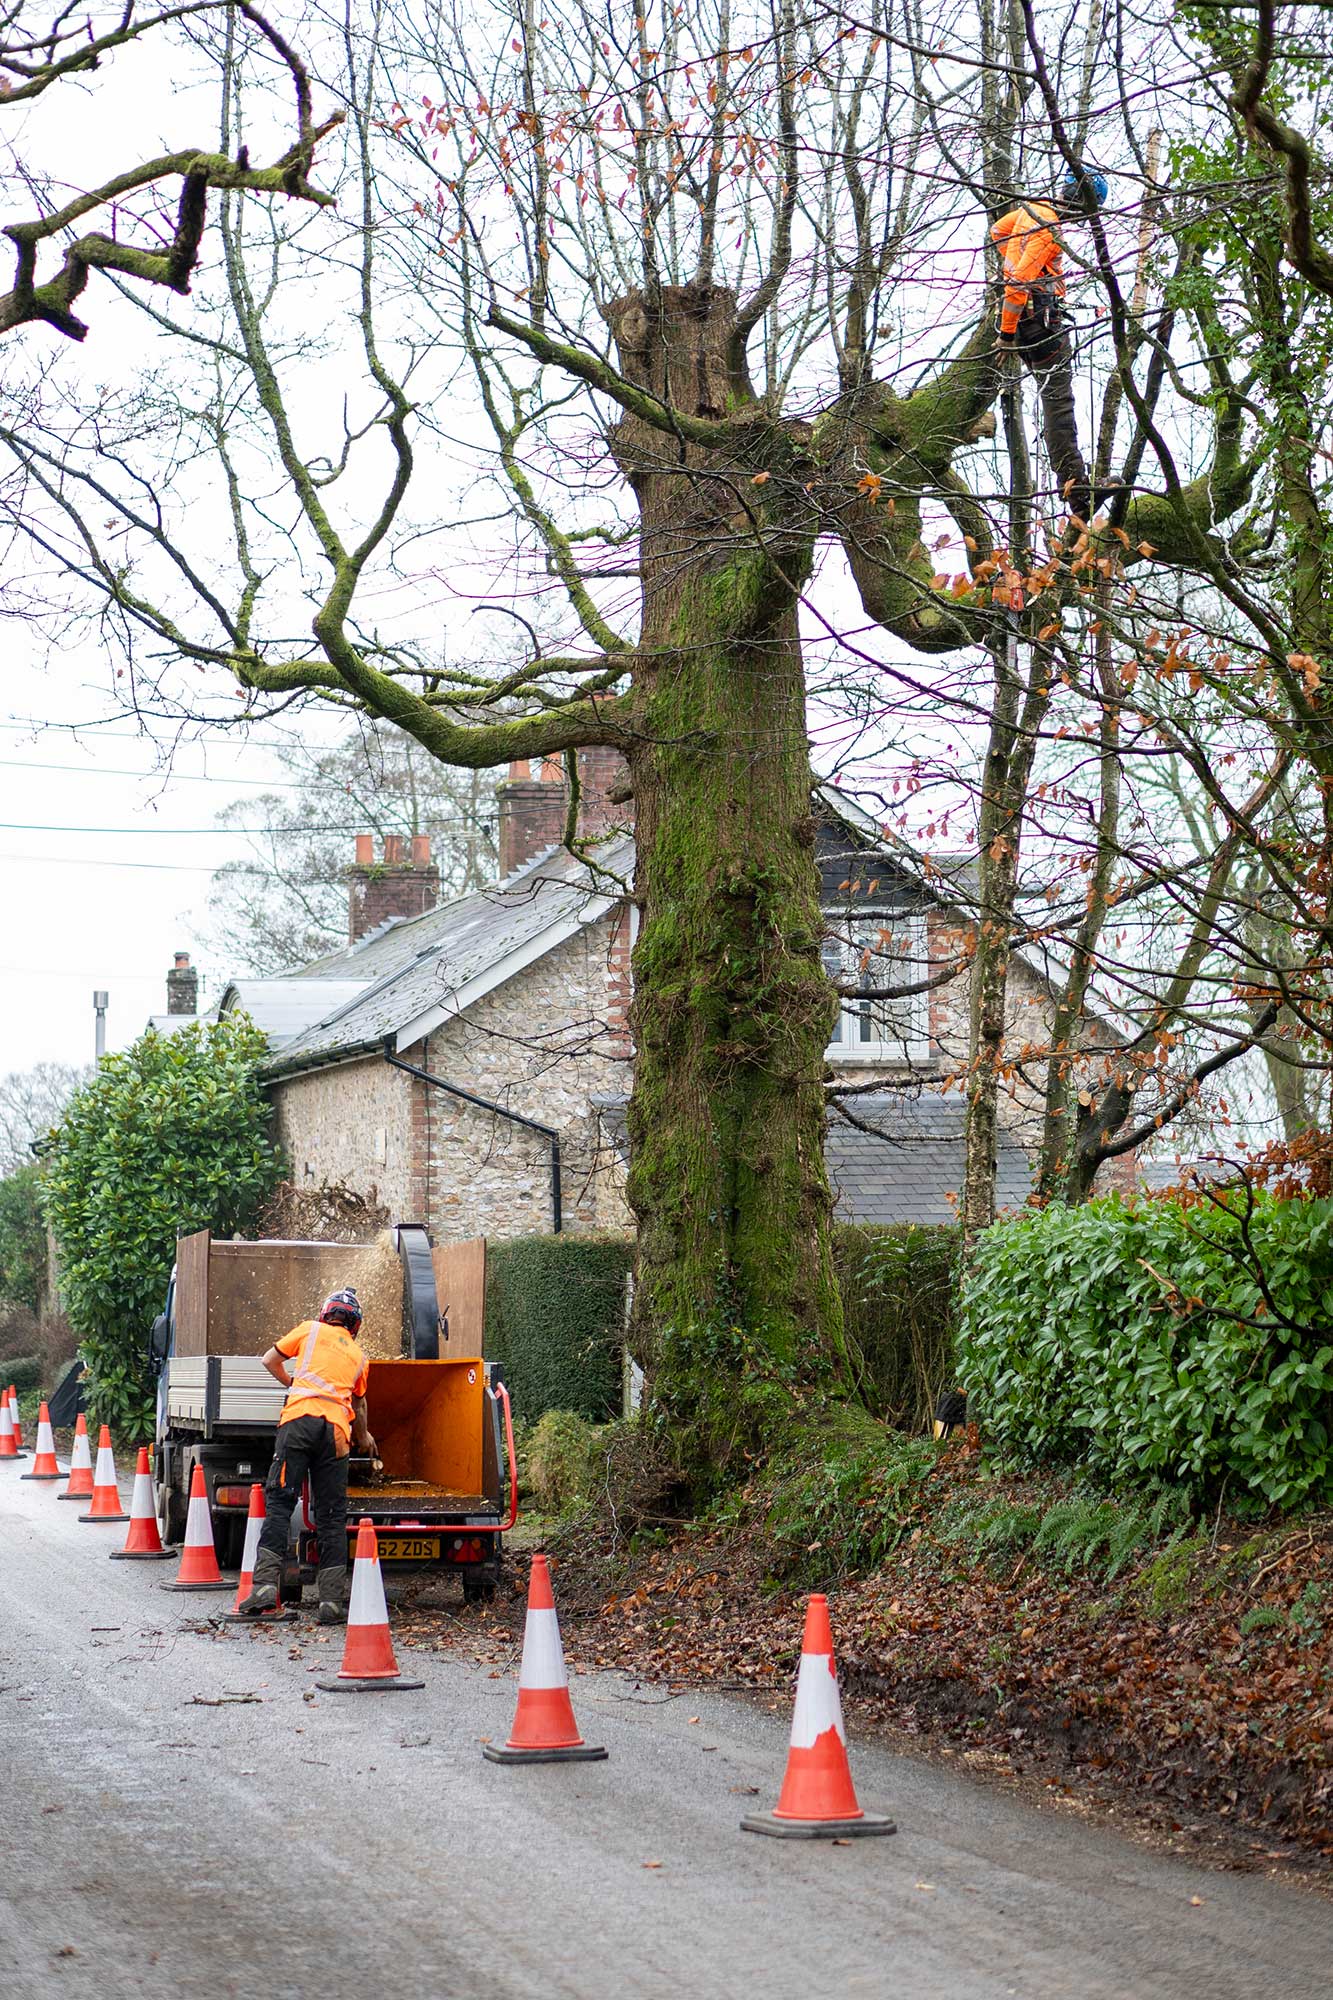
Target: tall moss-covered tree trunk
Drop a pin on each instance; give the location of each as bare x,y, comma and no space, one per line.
732,1013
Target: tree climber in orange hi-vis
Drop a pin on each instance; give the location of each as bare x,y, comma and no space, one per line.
1032,320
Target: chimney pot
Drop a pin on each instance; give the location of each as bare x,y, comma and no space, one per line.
533,808
402,888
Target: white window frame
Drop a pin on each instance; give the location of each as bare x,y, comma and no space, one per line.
844,925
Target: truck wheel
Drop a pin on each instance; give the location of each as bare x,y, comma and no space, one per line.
229,1539
292,1585
172,1507
476,1592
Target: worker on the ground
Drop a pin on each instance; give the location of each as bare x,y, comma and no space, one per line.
324,1411
1032,321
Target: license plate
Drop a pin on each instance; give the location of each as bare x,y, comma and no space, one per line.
409,1548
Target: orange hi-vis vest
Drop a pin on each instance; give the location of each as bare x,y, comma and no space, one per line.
1031,250
330,1371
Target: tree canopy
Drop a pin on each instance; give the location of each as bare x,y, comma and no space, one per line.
665,342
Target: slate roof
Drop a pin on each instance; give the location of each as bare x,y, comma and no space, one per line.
908,1174
405,970
285,1008
905,1176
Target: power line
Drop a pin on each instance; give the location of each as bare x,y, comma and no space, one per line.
100,735
167,777
342,826
154,867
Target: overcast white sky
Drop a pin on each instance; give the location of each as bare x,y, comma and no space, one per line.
107,840
101,876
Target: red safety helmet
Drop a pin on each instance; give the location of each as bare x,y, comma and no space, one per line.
342,1309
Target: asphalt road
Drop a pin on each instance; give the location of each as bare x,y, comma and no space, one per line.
361,1845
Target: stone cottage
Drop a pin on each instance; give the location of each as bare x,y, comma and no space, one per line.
468,1063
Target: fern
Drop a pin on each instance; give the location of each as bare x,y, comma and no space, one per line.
993,1527
1261,1619
1075,1529
1132,1529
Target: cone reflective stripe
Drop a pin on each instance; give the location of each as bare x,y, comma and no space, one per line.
106,1495
8,1447
199,1557
14,1417
80,1466
368,1659
44,1464
254,1523
544,1730
818,1799
143,1543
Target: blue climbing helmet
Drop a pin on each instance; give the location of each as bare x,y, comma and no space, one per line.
1075,186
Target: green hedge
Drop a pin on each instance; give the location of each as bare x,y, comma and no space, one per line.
23,1372
555,1310
555,1306
1136,1340
22,1240
898,1298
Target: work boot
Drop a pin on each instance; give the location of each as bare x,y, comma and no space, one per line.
332,1586
265,1585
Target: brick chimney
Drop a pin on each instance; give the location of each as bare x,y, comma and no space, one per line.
406,883
182,986
533,805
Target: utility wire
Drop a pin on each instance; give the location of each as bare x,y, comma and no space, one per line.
164,777
155,867
340,826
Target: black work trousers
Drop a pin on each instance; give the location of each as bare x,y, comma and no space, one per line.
1044,346
307,1445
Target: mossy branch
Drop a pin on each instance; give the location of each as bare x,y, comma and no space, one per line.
641,403
199,172
1283,142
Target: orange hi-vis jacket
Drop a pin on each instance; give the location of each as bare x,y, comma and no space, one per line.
1031,251
330,1371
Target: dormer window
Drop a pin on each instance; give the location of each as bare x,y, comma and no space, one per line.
877,953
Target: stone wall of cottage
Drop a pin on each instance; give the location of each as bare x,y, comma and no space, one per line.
548,1044
351,1124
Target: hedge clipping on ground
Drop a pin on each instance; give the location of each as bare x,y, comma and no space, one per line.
555,1308
1191,1342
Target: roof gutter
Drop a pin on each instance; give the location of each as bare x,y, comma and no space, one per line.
547,1132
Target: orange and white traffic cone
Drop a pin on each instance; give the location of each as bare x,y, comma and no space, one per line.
8,1443
44,1465
544,1731
80,1466
14,1418
368,1657
199,1557
106,1494
253,1525
818,1799
144,1541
